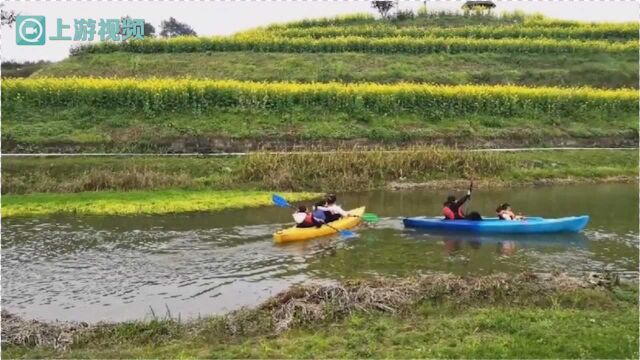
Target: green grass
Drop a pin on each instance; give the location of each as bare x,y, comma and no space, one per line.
597,70
138,202
344,171
89,129
79,174
495,332
14,69
583,324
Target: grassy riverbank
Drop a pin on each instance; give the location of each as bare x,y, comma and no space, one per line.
31,129
522,316
308,171
159,185
138,202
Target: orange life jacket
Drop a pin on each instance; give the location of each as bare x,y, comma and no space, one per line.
308,220
450,215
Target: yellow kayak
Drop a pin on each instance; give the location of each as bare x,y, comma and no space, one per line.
295,233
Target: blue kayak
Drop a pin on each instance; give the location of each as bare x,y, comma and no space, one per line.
534,225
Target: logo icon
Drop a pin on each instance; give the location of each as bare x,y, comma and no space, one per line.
30,30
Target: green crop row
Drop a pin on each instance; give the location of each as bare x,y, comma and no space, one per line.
597,32
387,45
169,95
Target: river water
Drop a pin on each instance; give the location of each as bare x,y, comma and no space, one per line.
119,268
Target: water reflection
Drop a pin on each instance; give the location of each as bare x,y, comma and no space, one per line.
505,244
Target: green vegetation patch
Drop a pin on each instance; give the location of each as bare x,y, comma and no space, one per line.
84,128
371,169
339,170
15,69
498,316
137,202
597,70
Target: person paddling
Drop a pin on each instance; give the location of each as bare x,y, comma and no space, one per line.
318,214
452,208
332,211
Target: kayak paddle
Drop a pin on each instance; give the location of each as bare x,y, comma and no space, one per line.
281,202
343,233
369,217
470,191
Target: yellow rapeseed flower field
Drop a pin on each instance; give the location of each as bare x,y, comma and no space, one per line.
163,94
623,31
273,42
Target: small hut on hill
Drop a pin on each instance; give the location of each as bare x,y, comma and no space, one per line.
478,5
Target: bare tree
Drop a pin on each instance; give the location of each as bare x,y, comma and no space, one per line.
383,6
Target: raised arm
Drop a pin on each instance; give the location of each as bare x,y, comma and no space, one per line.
463,199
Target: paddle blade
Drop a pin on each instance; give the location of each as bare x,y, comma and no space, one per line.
347,234
369,217
279,201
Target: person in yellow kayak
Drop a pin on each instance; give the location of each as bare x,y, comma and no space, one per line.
332,211
318,212
304,219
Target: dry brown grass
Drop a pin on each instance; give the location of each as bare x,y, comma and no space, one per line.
96,180
58,335
365,169
312,305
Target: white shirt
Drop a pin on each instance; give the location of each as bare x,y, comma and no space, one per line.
334,209
299,217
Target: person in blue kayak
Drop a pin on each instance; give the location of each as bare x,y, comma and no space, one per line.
505,212
453,210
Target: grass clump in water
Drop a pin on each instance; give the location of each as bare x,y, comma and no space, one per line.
138,202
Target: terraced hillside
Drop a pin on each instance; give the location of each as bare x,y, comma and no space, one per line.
462,80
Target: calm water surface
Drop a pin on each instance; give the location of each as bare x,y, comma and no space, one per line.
119,268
